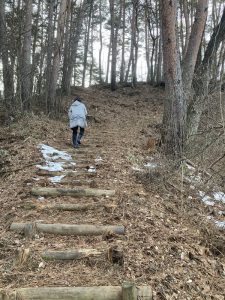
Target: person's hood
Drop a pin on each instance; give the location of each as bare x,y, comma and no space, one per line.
76,103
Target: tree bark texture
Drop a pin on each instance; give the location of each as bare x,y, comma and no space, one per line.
88,192
72,293
174,117
193,45
7,70
196,106
70,254
66,229
57,52
26,57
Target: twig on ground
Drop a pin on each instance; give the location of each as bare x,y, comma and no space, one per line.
217,160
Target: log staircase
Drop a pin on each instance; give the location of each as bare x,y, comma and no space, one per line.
75,184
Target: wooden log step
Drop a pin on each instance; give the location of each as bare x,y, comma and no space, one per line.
78,192
86,153
64,206
66,229
66,173
70,254
73,293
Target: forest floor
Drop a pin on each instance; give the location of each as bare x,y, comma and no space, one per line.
170,241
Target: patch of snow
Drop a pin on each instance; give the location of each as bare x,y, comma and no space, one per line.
52,166
92,169
98,159
151,165
189,166
56,179
206,199
219,196
36,178
50,153
201,193
221,213
209,203
73,164
41,198
137,168
220,224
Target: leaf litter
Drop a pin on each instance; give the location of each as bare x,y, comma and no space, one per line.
169,243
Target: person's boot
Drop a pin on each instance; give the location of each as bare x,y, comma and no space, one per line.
75,142
79,138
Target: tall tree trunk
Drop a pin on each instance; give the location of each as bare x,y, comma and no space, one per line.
147,50
122,67
86,43
114,46
7,72
57,52
115,24
101,42
133,41
108,59
174,117
196,106
76,28
50,41
67,46
26,57
187,25
92,56
193,45
35,38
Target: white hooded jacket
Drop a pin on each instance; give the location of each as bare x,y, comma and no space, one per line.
77,114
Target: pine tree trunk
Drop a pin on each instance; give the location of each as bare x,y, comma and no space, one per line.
66,52
193,45
174,117
76,28
196,106
86,45
122,68
49,53
35,39
57,52
26,57
101,42
7,71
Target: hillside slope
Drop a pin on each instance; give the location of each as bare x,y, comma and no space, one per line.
168,243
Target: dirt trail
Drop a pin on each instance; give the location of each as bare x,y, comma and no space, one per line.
161,247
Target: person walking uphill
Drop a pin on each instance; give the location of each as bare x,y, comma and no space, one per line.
77,116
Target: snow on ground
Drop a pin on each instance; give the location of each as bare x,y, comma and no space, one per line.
52,166
92,169
151,165
50,153
211,201
219,196
98,159
56,179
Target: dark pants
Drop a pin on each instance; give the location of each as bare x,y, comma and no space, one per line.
77,137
